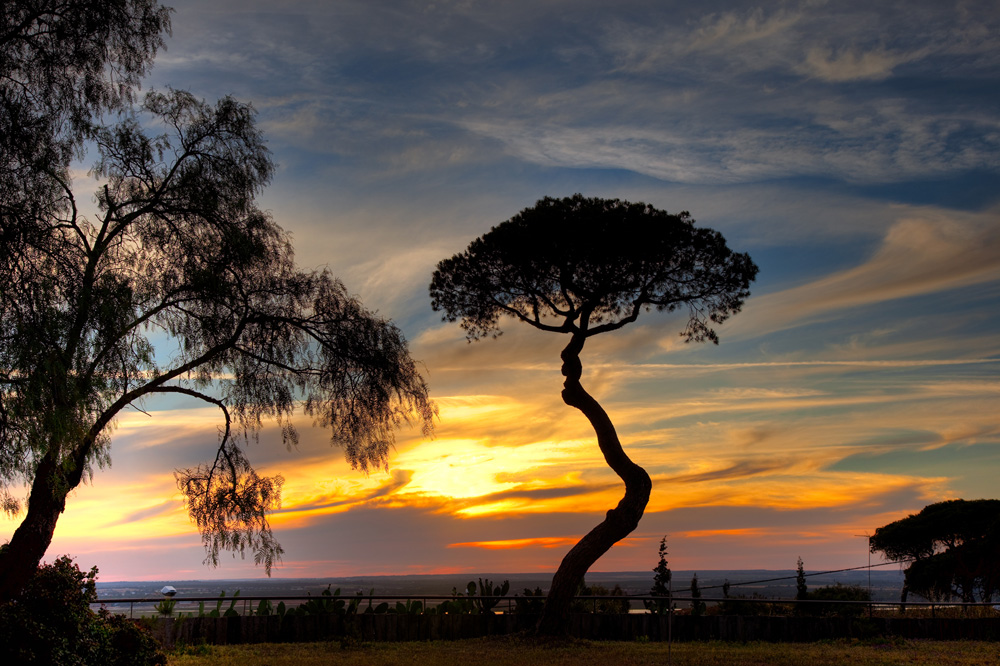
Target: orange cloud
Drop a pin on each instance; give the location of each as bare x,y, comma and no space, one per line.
505,544
740,532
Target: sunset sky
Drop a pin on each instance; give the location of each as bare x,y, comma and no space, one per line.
851,147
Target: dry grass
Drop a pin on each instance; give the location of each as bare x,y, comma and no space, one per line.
511,651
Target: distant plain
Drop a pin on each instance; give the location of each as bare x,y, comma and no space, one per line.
886,583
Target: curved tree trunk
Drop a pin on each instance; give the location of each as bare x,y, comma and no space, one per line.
619,522
19,559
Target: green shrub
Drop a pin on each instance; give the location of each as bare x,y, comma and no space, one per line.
838,592
697,605
603,606
530,602
489,595
50,622
474,601
166,606
741,604
126,643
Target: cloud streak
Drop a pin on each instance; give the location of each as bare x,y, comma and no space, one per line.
923,253
506,544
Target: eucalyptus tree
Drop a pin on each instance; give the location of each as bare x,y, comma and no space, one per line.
582,267
176,283
62,64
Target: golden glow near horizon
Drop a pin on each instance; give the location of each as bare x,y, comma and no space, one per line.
468,478
756,448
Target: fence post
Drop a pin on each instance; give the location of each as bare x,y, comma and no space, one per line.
670,620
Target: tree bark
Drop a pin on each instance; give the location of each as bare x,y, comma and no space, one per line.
19,559
618,523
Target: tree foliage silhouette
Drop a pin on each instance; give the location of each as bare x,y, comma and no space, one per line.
801,587
582,267
661,584
955,546
62,64
698,606
178,249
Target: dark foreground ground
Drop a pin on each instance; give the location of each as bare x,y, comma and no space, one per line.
516,651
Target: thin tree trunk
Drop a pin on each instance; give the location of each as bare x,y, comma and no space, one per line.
619,522
19,559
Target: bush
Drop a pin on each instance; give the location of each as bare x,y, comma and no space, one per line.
604,606
838,592
126,643
530,602
744,605
697,605
50,622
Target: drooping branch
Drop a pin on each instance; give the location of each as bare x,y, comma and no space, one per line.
230,509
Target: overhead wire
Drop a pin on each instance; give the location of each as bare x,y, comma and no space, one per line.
815,573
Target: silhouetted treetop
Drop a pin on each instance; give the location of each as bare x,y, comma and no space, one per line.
587,266
954,545
590,265
61,65
936,527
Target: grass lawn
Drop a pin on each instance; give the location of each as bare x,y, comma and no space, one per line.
513,651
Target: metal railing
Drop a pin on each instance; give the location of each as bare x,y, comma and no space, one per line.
247,606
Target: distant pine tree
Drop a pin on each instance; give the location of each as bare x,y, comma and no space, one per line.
697,605
661,583
801,590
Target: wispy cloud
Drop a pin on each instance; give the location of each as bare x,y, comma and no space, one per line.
925,252
148,512
679,94
341,500
740,470
854,64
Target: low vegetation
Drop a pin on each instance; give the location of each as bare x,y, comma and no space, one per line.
510,651
50,622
